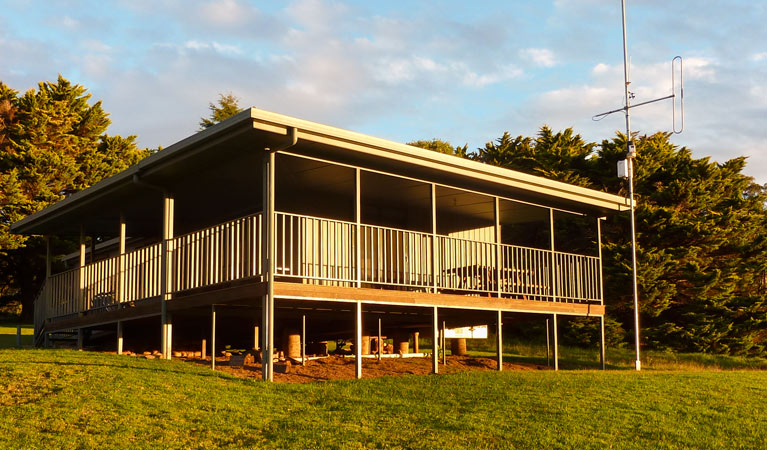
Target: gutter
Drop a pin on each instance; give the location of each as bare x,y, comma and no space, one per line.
292,135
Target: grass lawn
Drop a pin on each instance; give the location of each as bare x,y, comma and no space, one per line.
69,399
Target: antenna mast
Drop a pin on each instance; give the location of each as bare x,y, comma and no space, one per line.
626,167
630,154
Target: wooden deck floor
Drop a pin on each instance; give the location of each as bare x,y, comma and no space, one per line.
253,291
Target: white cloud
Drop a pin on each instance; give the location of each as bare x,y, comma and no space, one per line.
758,57
541,57
600,68
214,46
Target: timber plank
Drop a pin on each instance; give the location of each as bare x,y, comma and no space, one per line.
426,299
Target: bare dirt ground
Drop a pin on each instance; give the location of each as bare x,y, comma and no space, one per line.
342,368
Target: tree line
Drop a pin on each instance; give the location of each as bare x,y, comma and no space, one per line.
701,225
701,236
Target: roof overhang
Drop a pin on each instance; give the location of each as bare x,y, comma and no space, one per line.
261,129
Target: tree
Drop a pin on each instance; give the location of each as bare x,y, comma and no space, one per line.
441,146
701,231
228,106
52,144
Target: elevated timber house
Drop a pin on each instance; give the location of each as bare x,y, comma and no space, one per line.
268,224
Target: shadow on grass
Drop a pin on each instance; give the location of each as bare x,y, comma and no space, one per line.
125,366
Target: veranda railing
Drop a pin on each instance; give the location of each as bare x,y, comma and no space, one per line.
327,251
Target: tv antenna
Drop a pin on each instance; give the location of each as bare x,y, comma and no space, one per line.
626,166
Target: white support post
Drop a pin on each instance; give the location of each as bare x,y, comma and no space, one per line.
498,249
499,342
256,335
556,343
434,265
379,346
267,361
443,344
599,248
120,294
47,303
554,271
167,235
119,337
213,337
548,344
169,334
303,339
358,222
264,337
358,341
435,342
82,306
602,341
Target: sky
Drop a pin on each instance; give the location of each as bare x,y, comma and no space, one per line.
465,72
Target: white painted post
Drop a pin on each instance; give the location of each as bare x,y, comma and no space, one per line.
303,340
169,334
548,344
82,306
443,344
554,271
498,249
268,240
556,344
48,303
602,341
120,294
380,340
499,342
435,342
213,338
271,245
358,341
167,235
119,337
18,336
358,222
434,266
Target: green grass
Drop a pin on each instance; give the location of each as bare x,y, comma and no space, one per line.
617,358
68,399
8,334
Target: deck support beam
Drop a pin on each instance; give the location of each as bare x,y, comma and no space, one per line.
434,266
379,344
80,338
81,275
358,226
358,340
602,341
499,341
303,339
435,342
120,291
443,344
213,337
556,342
119,337
498,249
167,236
267,361
548,344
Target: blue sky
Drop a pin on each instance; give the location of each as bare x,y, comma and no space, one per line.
406,70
